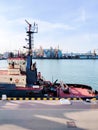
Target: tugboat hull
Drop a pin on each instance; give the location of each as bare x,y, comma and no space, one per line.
10,90
74,91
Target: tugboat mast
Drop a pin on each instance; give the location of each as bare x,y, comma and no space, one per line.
31,70
31,30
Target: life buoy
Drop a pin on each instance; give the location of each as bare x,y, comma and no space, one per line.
16,80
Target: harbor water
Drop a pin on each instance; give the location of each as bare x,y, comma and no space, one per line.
68,71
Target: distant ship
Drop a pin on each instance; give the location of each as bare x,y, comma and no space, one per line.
21,78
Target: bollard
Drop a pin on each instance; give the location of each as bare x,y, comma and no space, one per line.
65,101
4,97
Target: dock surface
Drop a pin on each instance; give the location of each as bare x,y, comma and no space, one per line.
48,115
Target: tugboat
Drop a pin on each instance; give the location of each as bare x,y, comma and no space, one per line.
21,78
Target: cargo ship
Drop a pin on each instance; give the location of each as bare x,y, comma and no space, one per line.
21,78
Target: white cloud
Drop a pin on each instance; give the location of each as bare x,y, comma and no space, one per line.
12,35
47,31
81,15
48,26
81,42
63,26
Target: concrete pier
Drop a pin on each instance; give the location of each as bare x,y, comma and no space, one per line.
48,115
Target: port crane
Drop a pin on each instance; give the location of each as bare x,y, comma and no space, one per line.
94,52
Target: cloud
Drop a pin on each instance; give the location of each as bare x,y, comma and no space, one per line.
81,15
12,34
49,26
81,42
63,26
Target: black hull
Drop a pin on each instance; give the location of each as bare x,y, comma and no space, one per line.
21,93
10,90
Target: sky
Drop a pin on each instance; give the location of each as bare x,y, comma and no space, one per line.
71,25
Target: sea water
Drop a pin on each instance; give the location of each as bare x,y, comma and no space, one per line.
68,71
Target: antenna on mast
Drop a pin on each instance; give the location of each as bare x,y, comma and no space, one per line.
30,25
